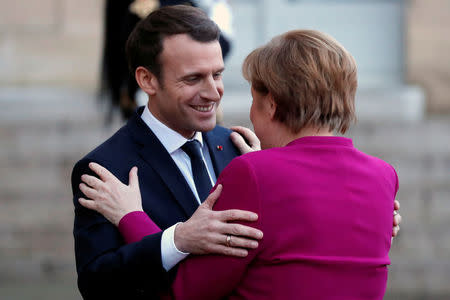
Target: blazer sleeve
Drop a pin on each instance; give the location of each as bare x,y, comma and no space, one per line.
106,267
215,276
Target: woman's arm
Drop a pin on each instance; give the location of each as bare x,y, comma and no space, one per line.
105,266
136,225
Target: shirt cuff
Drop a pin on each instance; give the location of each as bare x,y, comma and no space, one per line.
136,225
170,255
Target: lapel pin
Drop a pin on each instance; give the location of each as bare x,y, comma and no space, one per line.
219,147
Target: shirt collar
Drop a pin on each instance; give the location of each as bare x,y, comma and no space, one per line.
170,139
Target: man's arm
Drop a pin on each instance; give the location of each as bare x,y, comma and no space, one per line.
190,235
136,225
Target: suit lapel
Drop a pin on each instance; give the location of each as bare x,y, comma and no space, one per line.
217,150
154,153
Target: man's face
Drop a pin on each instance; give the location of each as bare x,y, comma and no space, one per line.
191,87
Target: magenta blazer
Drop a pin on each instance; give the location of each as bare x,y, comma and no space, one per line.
326,212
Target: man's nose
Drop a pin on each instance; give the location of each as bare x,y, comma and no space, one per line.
212,89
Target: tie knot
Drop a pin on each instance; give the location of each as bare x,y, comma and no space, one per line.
192,148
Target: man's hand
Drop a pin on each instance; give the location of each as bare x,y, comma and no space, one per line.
397,219
240,135
108,195
209,231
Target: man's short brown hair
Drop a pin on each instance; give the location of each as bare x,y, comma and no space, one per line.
311,77
145,43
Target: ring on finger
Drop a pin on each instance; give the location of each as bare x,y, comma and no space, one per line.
395,212
229,240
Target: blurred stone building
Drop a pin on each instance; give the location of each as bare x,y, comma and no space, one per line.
50,57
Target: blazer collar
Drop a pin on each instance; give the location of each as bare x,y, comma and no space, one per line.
216,151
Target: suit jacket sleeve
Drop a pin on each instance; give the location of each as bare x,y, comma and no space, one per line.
215,276
106,267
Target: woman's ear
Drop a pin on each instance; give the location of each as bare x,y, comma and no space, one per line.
146,80
271,105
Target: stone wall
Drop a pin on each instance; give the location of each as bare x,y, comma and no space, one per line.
59,42
428,50
50,42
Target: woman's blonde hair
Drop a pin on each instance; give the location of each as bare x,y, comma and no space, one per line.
311,77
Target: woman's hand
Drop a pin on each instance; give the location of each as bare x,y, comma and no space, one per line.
241,136
108,195
397,219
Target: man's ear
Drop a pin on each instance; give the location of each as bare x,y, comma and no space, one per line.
146,80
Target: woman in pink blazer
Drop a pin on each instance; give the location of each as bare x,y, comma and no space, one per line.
324,206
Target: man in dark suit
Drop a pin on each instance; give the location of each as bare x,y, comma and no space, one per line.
176,58
120,16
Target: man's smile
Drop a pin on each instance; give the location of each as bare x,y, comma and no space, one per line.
203,108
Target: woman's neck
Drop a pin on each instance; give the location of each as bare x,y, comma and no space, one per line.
285,135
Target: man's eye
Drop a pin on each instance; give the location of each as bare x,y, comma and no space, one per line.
218,75
191,79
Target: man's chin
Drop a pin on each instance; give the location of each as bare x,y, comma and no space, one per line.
207,126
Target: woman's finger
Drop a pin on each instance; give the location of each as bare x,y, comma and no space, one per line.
134,179
88,203
395,231
102,172
397,220
240,143
92,181
89,192
249,135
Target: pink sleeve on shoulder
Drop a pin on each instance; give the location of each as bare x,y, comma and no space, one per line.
136,225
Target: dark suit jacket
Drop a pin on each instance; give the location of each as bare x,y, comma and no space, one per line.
106,267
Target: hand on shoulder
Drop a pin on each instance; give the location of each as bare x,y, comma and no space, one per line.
245,139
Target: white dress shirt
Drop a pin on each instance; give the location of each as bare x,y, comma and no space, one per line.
172,142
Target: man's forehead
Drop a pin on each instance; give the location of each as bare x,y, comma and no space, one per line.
182,43
182,52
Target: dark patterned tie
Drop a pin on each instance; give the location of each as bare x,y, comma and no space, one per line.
199,172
